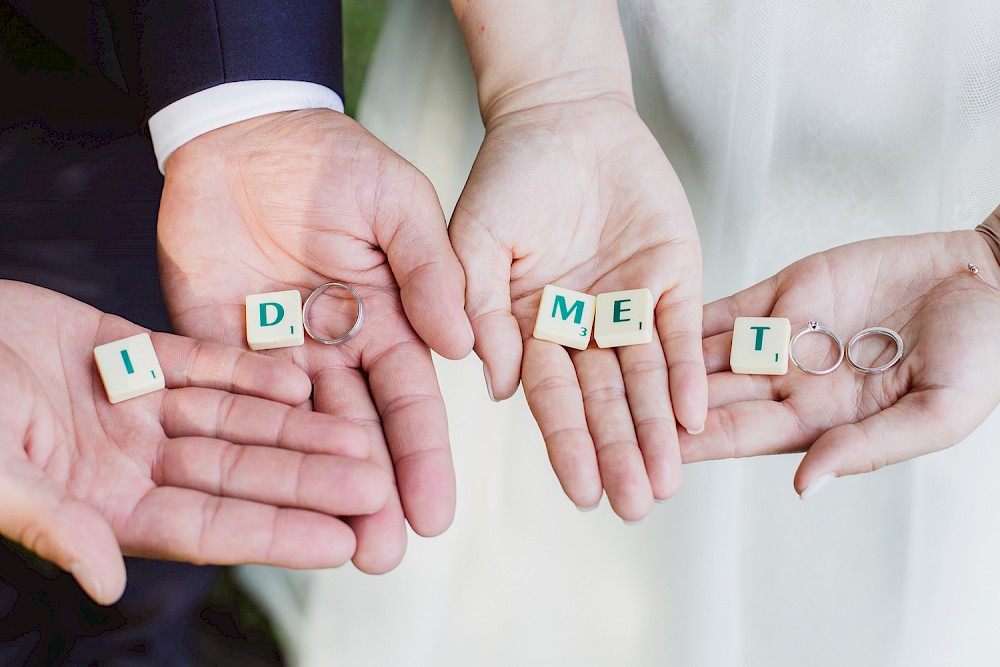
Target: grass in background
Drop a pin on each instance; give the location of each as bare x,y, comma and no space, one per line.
362,24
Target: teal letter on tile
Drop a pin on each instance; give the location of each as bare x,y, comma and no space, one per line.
279,314
617,316
564,311
128,362
759,345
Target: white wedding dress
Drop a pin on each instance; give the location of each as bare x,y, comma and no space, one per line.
794,126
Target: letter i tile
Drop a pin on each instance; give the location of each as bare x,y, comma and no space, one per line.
565,317
760,345
274,319
129,368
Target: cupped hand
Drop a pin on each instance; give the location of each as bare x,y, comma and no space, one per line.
580,195
217,468
291,201
850,422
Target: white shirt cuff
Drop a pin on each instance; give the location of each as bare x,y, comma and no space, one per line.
178,123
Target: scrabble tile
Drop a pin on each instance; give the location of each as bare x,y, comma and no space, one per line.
129,368
565,317
624,318
760,345
274,319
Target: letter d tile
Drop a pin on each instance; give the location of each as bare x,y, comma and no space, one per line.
274,319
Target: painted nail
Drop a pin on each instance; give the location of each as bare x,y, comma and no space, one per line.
695,431
817,484
489,383
87,580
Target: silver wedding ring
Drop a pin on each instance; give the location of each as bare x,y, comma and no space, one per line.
875,331
816,327
357,322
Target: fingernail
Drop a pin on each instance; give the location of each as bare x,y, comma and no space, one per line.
817,484
87,580
695,431
593,507
636,522
489,383
660,501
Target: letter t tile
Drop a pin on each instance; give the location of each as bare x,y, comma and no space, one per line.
760,345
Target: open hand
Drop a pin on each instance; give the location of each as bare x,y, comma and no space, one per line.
218,468
291,201
850,422
579,194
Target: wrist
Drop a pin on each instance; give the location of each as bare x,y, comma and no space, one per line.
225,104
973,246
527,54
990,231
265,134
565,89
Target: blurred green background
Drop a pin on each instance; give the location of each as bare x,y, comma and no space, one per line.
362,23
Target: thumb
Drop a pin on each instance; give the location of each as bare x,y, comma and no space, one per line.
43,517
487,302
919,423
430,278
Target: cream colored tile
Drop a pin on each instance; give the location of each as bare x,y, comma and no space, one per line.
624,318
129,368
760,345
274,319
565,317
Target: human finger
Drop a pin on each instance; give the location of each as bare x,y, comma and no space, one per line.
381,536
678,323
623,471
644,370
749,428
412,231
405,390
46,519
187,362
554,396
487,268
188,525
334,485
247,420
756,301
918,423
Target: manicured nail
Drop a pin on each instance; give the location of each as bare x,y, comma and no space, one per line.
87,580
696,431
817,484
589,509
489,383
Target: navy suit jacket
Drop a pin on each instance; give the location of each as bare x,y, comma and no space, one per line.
158,51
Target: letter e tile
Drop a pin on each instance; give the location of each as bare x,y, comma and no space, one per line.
624,318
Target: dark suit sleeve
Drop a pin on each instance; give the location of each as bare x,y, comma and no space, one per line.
180,47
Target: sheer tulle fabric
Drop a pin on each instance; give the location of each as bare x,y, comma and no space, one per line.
795,127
